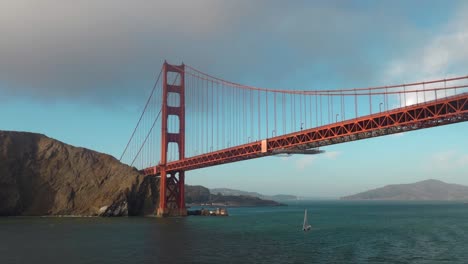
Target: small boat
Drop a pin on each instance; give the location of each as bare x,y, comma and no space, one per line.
306,227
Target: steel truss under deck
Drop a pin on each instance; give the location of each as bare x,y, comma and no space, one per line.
424,115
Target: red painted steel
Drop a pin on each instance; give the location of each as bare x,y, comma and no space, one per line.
424,115
171,190
224,111
350,91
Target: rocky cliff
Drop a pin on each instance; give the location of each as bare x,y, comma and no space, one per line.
42,176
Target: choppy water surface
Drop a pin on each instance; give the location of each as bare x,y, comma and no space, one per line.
342,232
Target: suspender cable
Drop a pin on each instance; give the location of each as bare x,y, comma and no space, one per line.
142,114
266,113
212,117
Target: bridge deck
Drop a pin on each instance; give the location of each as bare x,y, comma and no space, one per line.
425,115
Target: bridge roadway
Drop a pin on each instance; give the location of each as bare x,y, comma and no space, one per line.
434,113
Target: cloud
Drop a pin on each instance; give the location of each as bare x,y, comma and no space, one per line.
332,154
450,159
103,51
98,49
443,55
307,160
462,161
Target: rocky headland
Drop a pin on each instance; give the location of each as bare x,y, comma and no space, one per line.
42,176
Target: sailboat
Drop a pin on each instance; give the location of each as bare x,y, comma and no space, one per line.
306,226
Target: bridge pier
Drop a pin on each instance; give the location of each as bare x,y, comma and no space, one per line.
171,186
172,194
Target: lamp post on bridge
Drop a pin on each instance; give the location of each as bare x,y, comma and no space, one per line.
336,118
380,107
273,133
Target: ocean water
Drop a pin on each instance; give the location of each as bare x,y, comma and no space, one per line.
342,232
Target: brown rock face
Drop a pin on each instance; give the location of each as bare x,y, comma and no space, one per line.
42,176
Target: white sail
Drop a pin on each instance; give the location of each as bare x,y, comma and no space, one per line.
305,218
306,226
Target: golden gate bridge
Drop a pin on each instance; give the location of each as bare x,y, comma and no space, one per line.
193,120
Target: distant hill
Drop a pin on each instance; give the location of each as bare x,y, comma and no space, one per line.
241,200
233,192
198,195
423,190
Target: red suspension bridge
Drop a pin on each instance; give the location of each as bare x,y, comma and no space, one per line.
193,120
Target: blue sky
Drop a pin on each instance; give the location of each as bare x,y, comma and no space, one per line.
81,71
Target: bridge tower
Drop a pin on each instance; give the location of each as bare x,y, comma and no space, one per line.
171,184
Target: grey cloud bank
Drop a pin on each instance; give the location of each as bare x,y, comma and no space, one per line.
103,51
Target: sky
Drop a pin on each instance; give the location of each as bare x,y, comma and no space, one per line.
80,72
